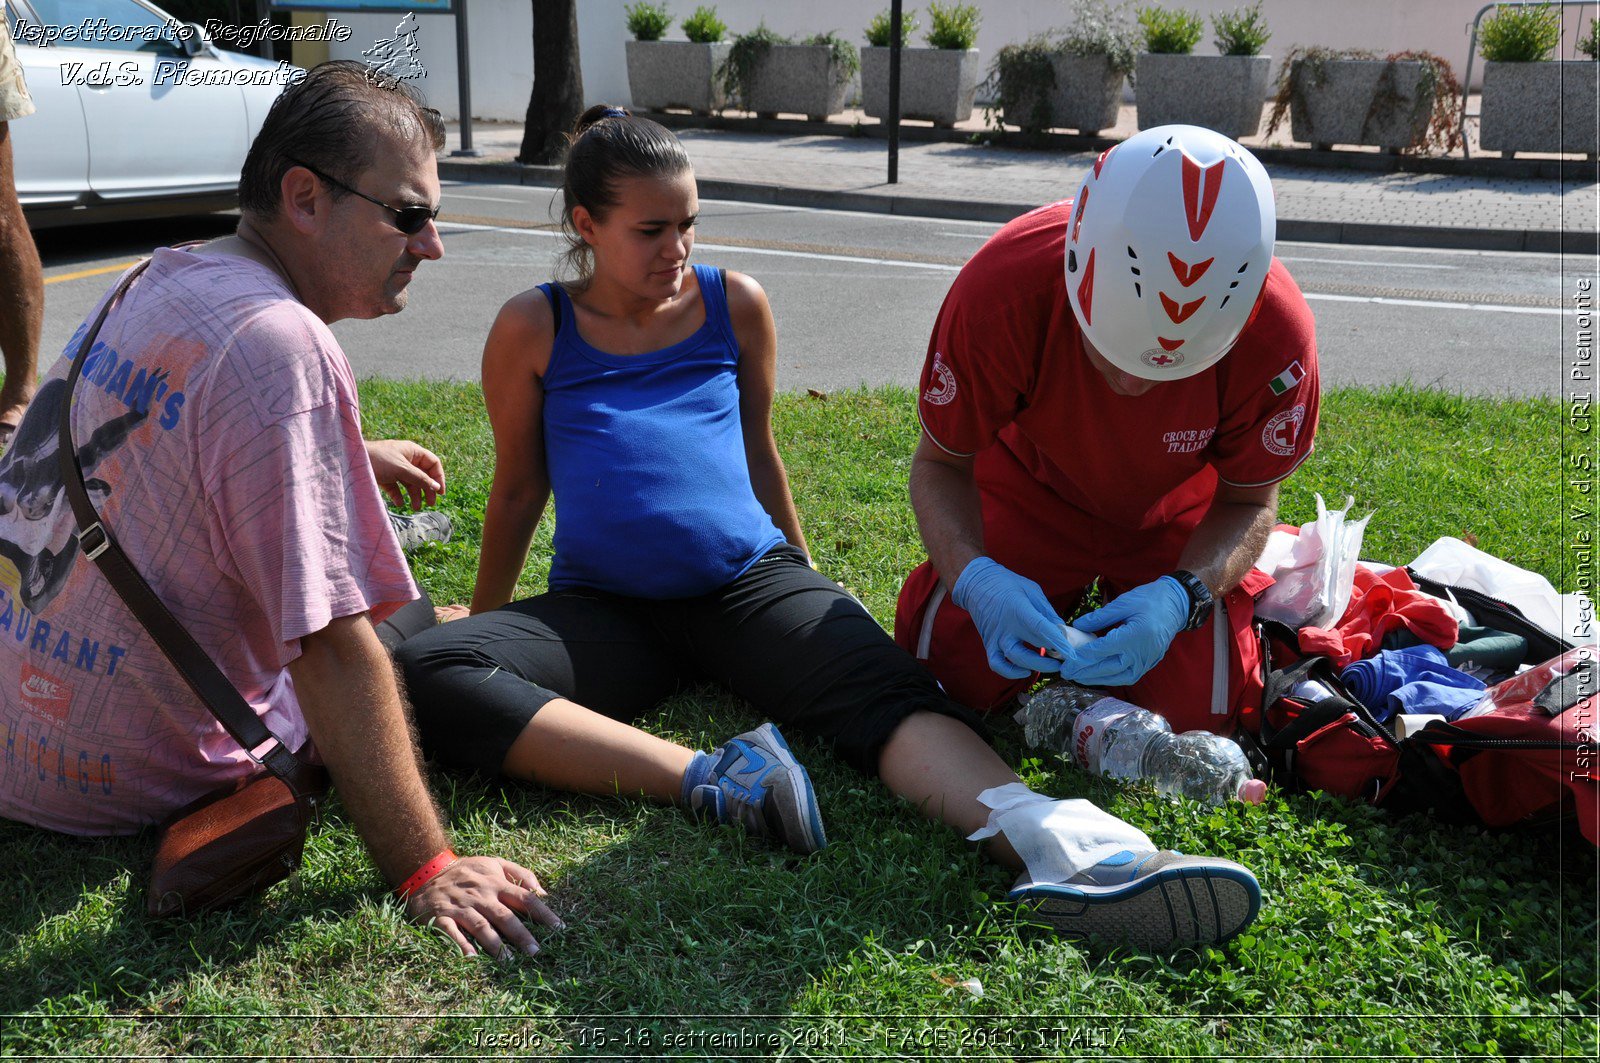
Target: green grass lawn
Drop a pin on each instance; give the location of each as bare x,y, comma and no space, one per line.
1379,937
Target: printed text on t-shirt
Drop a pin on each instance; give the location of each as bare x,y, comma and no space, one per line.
138,391
1188,440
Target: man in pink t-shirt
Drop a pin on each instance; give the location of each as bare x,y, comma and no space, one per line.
217,424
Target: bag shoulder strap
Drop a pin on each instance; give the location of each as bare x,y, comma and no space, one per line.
198,670
1318,712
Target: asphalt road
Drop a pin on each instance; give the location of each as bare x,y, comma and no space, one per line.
855,294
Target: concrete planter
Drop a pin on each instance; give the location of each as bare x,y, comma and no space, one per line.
1087,93
798,79
1221,92
1539,107
936,84
664,74
1359,101
1024,102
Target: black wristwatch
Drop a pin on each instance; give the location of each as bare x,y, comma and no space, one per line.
1200,599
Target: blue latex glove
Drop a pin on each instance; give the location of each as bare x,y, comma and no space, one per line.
1013,617
1150,616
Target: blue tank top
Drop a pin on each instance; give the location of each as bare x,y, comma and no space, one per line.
647,463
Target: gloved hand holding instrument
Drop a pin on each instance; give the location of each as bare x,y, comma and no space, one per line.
1014,619
1137,628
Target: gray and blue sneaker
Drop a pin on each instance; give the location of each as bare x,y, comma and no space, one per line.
1150,901
414,530
754,780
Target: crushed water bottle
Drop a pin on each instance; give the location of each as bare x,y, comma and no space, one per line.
1110,737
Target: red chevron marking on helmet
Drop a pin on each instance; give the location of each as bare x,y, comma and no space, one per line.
1180,314
1086,288
1101,160
1188,274
1200,188
1168,345
1083,203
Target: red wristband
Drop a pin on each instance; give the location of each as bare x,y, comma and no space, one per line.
422,875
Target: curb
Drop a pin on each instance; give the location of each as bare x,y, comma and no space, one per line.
1543,241
1576,170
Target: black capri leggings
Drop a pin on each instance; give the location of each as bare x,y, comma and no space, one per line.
782,636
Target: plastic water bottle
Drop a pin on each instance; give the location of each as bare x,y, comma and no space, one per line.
1201,765
1107,736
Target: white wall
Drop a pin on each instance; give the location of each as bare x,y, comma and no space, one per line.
501,53
502,35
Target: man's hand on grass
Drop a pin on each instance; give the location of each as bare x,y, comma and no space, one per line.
479,903
403,468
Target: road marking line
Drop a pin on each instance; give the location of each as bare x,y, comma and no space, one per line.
776,208
488,199
780,208
725,248
1436,304
82,273
860,260
938,267
1464,252
1365,262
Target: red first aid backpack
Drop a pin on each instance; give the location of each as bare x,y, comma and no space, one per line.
1531,758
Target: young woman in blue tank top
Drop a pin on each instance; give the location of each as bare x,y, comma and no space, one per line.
640,396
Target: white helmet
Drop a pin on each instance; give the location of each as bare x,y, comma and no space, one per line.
1168,247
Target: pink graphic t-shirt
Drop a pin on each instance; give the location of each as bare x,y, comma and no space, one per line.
217,426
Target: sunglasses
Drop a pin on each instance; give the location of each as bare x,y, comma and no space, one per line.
408,220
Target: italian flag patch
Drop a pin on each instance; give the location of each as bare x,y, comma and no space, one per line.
1287,379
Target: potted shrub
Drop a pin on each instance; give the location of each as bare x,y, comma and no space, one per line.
664,74
1404,102
1529,102
937,83
766,72
1022,82
1095,54
1224,92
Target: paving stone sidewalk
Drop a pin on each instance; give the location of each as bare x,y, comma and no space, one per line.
994,183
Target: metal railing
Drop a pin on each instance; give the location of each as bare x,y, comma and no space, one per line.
1472,51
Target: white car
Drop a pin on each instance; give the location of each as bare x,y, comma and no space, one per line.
138,113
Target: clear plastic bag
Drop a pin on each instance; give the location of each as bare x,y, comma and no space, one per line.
1314,571
1458,564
